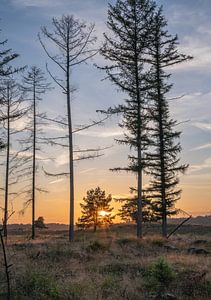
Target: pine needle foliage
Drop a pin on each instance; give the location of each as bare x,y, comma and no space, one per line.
163,159
96,209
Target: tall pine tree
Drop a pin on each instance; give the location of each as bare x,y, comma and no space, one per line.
163,159
129,22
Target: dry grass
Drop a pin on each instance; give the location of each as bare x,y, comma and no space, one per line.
109,264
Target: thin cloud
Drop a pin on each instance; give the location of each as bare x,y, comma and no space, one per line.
57,181
100,134
87,170
203,126
202,147
36,3
206,164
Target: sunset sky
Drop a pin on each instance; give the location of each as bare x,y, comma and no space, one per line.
190,19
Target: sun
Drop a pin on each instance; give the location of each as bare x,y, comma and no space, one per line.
103,213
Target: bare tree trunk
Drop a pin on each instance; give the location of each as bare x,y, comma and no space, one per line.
70,148
139,150
95,220
7,166
139,201
162,160
6,266
73,40
34,162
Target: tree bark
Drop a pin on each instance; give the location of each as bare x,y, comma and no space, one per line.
139,150
7,166
6,267
34,161
162,159
71,167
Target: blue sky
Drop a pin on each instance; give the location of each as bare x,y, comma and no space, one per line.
190,19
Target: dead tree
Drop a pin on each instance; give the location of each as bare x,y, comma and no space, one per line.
11,111
6,59
74,40
35,85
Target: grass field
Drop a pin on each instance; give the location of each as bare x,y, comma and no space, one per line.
110,264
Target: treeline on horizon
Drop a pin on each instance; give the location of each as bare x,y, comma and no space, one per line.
197,220
138,51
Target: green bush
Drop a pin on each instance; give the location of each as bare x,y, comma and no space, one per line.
158,278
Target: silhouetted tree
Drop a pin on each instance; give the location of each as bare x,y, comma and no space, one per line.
6,70
35,85
163,158
128,210
40,223
73,40
6,57
129,22
96,210
11,111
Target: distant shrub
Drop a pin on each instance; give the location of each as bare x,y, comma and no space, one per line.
158,278
40,223
96,247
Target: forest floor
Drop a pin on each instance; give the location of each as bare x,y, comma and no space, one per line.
110,264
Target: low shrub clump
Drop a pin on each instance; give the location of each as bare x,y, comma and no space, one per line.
158,278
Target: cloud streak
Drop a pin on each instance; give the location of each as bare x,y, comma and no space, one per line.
205,165
37,3
203,126
202,147
57,181
102,134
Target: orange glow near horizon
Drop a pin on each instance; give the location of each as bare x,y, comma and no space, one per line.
54,206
